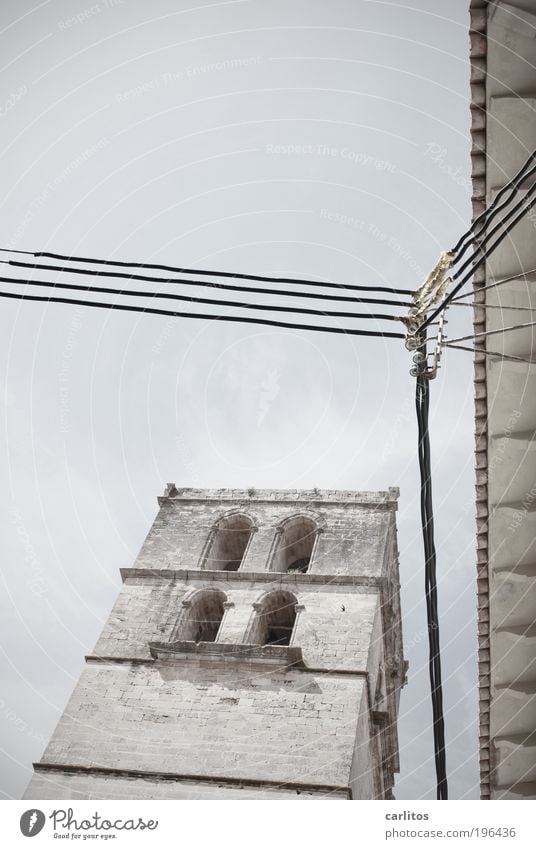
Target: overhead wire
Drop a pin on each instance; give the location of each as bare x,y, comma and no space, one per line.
196,271
485,254
481,242
422,403
206,317
208,283
495,207
484,247
205,301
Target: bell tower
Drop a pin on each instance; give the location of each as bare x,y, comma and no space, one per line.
254,652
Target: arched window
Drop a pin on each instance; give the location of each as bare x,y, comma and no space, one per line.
228,543
203,616
294,546
274,620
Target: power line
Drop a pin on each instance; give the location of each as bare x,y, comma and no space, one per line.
525,200
422,403
207,283
194,300
238,276
485,254
206,317
482,251
495,207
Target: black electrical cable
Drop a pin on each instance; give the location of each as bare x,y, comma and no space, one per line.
238,276
483,258
488,214
193,300
422,400
483,235
206,317
524,205
206,283
525,200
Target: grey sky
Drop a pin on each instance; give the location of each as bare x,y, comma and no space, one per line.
306,138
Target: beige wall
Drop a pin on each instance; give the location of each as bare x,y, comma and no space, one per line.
504,122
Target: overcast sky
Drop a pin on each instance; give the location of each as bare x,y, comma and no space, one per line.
328,140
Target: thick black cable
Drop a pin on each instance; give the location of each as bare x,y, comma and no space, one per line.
239,276
482,235
433,620
427,519
530,195
485,255
193,300
488,214
207,283
206,317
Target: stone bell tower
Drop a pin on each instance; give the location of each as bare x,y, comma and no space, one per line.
254,652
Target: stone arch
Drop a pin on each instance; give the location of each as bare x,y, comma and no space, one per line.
294,544
228,542
202,616
274,619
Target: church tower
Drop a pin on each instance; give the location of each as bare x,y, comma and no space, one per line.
254,652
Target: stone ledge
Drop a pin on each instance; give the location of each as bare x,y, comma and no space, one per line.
43,766
217,657
286,578
380,498
280,655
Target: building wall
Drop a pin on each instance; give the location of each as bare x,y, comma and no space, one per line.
333,629
156,718
504,134
205,720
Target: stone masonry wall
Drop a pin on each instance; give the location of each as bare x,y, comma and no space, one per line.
206,721
333,629
352,540
229,721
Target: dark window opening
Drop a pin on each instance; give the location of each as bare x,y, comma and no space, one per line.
229,543
203,619
295,546
275,620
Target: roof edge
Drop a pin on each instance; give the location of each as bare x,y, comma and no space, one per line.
478,57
